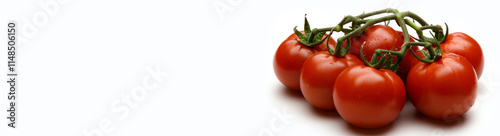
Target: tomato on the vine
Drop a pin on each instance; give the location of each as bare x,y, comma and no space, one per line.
443,89
367,97
464,45
289,58
440,79
318,75
382,37
376,37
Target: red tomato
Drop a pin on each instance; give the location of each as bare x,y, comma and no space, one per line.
382,37
318,75
367,97
444,89
376,37
464,45
289,58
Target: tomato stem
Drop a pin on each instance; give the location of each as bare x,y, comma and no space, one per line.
360,23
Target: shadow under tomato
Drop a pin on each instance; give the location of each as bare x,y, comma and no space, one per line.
325,113
297,95
370,131
449,123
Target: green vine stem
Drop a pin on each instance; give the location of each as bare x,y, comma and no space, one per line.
360,23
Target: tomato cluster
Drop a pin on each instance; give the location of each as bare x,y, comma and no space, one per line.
371,96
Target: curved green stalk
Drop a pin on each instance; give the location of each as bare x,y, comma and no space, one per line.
360,23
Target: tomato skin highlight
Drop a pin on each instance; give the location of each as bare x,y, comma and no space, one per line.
367,97
318,75
289,58
464,45
444,89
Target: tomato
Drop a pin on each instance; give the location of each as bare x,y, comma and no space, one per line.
464,45
289,58
444,89
318,75
376,37
367,97
382,37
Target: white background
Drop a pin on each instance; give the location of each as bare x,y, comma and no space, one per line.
86,54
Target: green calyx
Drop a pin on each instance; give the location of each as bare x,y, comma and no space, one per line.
385,61
309,38
339,51
314,37
431,55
